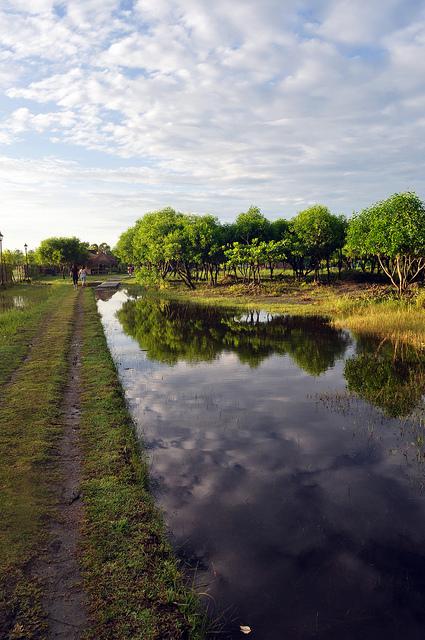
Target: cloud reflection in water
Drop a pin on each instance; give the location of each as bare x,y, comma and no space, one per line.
299,518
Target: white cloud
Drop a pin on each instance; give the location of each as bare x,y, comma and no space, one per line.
220,105
357,22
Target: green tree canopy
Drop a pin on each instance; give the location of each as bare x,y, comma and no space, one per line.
104,247
279,229
13,257
124,249
165,241
251,224
62,251
394,231
318,232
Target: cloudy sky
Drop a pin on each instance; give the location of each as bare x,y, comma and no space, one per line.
110,109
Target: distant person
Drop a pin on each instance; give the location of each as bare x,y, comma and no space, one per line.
83,276
74,274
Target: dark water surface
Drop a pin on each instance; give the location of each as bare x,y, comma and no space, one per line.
287,457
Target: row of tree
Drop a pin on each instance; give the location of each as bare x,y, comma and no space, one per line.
166,242
60,252
388,237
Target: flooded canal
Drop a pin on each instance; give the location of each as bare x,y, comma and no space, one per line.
288,460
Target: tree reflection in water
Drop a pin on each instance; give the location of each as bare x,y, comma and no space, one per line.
389,376
170,332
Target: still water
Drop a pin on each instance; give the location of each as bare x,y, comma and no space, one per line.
287,458
12,302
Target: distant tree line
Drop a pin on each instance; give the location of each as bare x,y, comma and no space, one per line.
57,252
387,237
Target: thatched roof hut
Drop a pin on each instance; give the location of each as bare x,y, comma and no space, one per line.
101,263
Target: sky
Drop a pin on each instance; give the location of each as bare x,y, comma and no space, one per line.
111,109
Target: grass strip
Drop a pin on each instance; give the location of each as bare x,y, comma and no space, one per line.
393,320
132,578
30,425
19,324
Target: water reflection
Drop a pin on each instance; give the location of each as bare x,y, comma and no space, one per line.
12,302
303,522
172,332
388,375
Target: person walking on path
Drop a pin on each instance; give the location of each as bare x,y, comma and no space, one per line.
83,276
74,274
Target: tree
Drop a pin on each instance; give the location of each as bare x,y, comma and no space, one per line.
124,249
32,257
152,242
340,226
394,231
279,229
62,252
251,224
207,240
295,251
104,247
164,243
317,235
249,258
273,252
356,247
13,258
238,258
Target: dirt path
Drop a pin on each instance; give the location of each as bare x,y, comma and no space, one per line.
59,570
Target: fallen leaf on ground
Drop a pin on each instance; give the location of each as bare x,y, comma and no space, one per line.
245,629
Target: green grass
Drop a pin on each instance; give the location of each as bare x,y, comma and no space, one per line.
132,578
134,584
30,424
19,326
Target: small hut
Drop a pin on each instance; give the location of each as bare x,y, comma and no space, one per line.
98,263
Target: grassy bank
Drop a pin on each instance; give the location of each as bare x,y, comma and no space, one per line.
363,308
134,585
394,320
30,421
